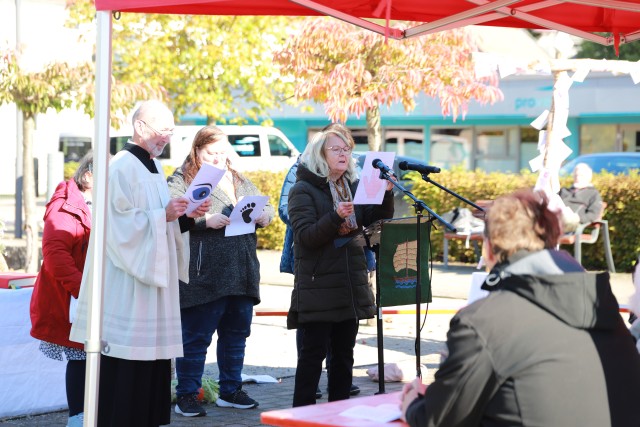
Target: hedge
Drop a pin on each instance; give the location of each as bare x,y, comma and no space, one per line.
620,192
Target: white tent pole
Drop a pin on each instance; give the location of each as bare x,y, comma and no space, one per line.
93,344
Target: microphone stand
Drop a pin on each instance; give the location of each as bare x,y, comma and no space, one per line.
419,206
425,177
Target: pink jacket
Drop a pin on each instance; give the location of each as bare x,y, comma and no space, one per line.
65,240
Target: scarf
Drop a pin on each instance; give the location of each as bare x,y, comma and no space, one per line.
340,192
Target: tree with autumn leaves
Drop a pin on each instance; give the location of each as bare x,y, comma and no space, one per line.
355,71
55,86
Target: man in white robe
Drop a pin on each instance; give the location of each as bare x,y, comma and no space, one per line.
146,257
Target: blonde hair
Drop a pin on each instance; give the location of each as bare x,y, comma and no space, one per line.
314,156
521,220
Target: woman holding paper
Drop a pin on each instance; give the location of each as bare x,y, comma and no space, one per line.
224,275
67,225
332,289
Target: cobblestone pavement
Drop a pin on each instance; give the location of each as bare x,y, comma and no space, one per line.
271,351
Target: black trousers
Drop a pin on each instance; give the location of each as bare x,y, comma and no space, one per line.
316,339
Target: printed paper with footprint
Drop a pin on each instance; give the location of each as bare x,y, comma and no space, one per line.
244,215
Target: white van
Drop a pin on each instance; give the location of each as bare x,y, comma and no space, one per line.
257,147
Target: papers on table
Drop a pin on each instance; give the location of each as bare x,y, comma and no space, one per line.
371,189
202,185
383,413
244,215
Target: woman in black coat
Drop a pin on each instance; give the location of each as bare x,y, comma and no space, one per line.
332,287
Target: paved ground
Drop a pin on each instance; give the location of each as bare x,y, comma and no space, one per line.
271,347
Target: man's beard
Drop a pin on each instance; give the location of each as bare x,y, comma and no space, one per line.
155,151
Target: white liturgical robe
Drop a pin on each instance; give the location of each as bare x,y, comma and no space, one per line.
146,256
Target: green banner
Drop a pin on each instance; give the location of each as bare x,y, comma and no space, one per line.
398,262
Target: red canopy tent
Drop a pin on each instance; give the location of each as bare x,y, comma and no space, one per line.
620,19
582,18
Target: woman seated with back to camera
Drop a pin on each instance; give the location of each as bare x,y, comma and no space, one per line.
547,348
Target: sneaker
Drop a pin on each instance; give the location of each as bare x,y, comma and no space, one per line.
238,399
189,407
318,393
354,390
76,421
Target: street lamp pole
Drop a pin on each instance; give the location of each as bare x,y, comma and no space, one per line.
17,229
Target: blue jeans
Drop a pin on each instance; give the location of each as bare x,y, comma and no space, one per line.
231,317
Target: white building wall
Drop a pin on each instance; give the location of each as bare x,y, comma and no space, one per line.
44,39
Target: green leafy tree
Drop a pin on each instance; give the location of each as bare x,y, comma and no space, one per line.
628,51
220,67
56,86
355,71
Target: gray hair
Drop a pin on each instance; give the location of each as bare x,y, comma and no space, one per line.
86,165
314,156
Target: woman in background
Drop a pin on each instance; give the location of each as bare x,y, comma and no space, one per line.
67,225
224,278
332,289
547,347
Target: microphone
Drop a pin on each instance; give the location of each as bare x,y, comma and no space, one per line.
419,167
378,164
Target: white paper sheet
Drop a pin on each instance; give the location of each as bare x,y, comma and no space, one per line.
244,215
202,185
371,188
541,121
259,379
634,72
383,413
580,74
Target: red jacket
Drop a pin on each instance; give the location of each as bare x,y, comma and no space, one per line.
65,240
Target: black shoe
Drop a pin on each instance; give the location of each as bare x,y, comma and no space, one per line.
189,407
354,390
238,399
318,393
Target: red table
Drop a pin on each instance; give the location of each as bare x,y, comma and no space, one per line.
327,414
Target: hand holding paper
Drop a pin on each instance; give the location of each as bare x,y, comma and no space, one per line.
244,215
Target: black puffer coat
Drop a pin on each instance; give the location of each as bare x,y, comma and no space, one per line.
331,284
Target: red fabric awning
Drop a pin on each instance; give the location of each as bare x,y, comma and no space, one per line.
619,19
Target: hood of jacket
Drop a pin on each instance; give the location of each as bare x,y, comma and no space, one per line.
554,281
72,201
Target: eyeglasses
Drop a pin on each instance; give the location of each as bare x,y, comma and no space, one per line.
339,150
166,132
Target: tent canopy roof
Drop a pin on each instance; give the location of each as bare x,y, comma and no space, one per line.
583,18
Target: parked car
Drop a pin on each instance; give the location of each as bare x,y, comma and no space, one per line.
257,147
616,163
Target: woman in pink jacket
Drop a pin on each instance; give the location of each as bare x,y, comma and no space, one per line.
67,224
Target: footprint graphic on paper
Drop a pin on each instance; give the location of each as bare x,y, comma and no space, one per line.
246,212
